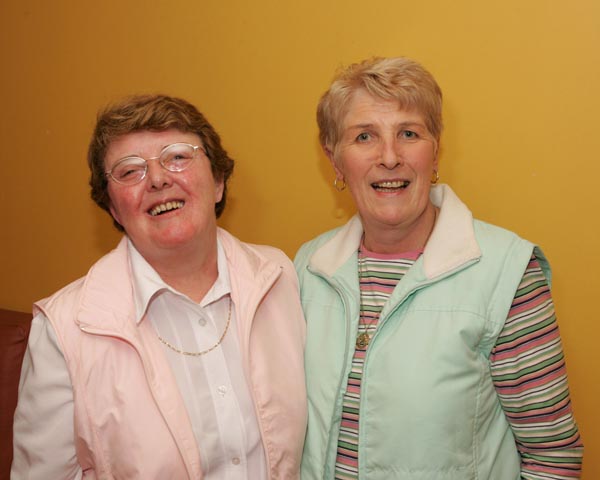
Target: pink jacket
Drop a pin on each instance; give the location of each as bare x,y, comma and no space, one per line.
130,420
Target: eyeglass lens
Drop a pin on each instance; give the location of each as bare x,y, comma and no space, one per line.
174,158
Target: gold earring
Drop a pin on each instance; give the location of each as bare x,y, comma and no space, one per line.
338,187
435,177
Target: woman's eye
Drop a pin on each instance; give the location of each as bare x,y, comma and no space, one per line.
129,170
363,137
408,135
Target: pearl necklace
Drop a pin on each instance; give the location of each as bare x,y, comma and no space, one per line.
197,354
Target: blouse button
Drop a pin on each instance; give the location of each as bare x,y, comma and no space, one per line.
235,460
202,321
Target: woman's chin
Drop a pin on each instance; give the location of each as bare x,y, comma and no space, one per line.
165,240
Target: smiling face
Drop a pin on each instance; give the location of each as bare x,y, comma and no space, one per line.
387,158
166,210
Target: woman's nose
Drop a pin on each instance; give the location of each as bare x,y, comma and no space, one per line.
157,176
391,154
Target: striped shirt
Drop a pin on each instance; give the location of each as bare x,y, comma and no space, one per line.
527,368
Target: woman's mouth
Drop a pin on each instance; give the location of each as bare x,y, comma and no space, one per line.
165,207
390,186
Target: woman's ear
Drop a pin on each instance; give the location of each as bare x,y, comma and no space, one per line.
436,155
328,152
114,214
331,156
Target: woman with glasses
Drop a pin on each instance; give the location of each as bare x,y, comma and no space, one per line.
432,346
179,354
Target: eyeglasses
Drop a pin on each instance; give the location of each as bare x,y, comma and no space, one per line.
174,158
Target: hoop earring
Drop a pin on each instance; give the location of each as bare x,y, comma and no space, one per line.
435,177
337,186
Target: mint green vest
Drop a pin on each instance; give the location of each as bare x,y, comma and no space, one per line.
429,409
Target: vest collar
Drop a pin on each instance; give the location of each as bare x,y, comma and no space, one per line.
107,301
452,242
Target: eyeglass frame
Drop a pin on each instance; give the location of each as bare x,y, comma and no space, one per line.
196,149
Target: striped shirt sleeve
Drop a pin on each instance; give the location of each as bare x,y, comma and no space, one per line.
528,371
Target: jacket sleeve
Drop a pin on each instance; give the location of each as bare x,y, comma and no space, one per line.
43,439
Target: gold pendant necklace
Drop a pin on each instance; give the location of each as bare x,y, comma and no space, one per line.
197,354
362,341
363,338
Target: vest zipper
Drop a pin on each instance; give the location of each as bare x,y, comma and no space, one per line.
343,377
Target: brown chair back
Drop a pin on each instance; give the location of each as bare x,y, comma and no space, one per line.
14,331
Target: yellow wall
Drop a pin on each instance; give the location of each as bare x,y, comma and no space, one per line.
520,147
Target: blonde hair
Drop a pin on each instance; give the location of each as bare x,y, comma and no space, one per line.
399,78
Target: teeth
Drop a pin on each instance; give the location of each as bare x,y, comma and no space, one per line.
165,207
395,184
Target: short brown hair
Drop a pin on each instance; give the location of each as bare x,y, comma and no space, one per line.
398,78
155,113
